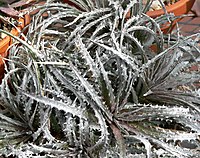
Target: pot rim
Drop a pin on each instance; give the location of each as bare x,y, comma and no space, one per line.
172,8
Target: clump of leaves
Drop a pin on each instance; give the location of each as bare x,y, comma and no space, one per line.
87,82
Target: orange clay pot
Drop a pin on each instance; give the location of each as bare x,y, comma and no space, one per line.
7,41
179,8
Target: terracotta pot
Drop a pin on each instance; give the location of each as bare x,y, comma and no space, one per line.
7,41
179,8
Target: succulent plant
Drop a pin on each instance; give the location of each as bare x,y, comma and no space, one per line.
87,82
